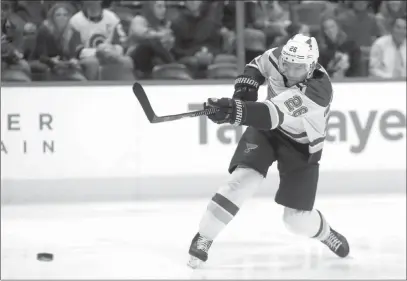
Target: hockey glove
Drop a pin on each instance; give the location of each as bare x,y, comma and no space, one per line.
237,112
228,110
246,88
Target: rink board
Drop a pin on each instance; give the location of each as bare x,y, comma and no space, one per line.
94,143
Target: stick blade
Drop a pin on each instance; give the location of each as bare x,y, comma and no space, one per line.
153,118
144,102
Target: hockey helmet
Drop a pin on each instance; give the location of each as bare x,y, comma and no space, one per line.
300,49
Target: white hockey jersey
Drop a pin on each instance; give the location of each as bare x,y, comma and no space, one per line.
305,105
85,35
107,30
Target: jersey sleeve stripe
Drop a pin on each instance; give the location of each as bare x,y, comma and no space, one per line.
253,64
315,148
274,114
270,92
293,135
316,145
317,141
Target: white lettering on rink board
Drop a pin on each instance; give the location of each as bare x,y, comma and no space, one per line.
102,132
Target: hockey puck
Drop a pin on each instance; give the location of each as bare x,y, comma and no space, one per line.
45,257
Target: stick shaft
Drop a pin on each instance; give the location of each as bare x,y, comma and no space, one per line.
153,118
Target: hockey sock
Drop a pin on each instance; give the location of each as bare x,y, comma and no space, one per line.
227,201
308,223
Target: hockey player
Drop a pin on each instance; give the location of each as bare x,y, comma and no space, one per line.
288,127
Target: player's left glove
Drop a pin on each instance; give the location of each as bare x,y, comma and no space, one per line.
246,88
255,114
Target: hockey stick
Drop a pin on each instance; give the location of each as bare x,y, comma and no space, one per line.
153,118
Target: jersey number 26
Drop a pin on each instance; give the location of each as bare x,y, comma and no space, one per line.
295,106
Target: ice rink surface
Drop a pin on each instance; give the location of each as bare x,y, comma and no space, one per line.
136,240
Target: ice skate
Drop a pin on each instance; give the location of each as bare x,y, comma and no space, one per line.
337,243
199,251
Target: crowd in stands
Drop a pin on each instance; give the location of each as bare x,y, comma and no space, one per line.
128,40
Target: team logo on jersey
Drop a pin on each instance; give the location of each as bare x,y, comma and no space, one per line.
250,147
96,40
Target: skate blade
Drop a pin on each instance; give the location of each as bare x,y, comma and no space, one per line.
195,263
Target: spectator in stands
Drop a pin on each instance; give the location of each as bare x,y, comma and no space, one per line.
271,18
311,13
151,38
255,39
388,12
223,14
254,36
52,47
339,55
76,5
225,17
126,11
25,21
291,30
97,40
33,13
360,24
14,66
197,37
388,54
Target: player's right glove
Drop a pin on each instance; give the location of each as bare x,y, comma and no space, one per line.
248,113
246,88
